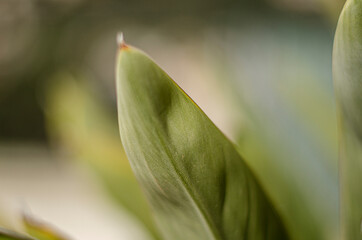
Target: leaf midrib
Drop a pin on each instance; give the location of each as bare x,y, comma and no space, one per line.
188,191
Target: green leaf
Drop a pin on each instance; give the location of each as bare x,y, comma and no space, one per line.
347,70
10,235
41,230
197,183
80,122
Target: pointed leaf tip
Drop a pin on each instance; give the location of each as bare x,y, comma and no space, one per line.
120,40
196,182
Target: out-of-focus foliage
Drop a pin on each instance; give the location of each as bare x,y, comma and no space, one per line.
330,9
41,230
280,73
347,70
82,125
39,38
37,229
3,219
288,127
198,185
10,235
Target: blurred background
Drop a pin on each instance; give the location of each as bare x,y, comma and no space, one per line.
260,69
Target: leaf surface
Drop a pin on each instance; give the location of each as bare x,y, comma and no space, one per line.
197,183
347,70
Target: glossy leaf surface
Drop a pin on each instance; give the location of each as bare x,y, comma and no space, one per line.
197,183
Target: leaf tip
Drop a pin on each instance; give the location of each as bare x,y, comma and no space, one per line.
120,41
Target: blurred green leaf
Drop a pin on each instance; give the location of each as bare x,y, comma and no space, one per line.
10,235
78,121
347,70
41,230
196,182
287,130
